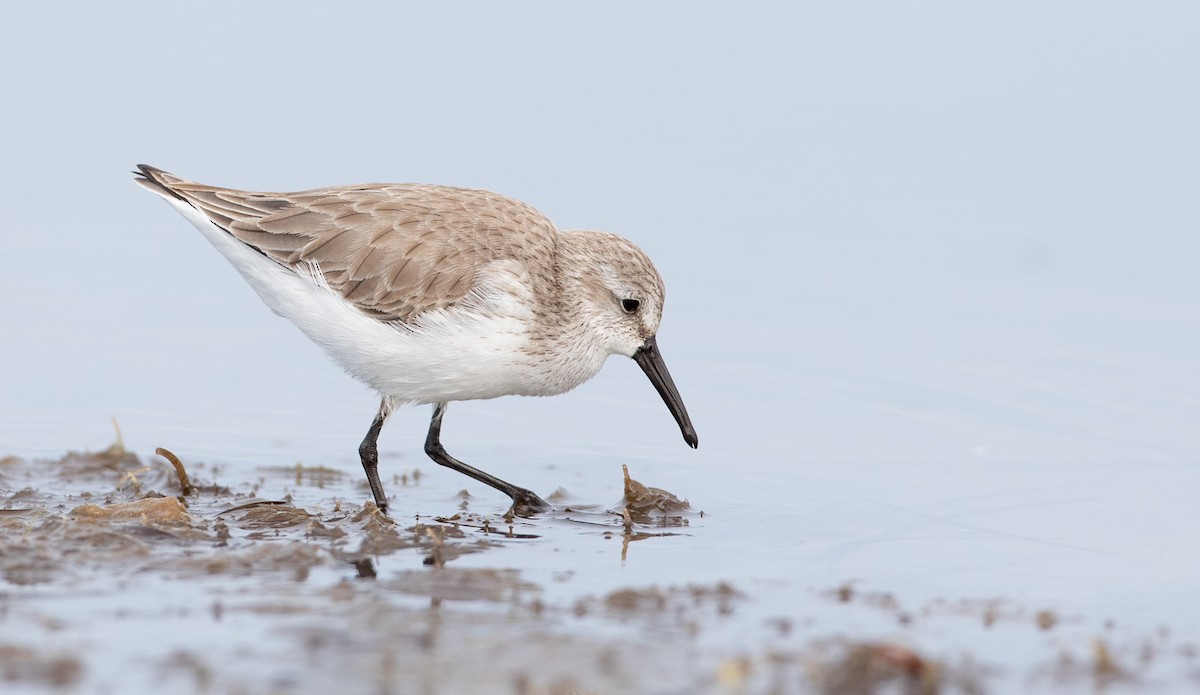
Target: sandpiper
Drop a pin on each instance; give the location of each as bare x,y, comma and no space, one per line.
432,294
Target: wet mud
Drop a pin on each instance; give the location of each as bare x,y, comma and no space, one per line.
127,574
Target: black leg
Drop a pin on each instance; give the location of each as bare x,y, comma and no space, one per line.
369,453
523,500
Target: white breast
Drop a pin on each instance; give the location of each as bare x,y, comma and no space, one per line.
473,350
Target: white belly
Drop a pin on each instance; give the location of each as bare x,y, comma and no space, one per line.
474,350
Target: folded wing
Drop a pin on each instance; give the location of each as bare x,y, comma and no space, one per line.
391,250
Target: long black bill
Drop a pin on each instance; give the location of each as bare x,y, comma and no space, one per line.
650,360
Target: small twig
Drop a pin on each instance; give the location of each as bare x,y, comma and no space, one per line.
249,505
435,554
120,443
184,483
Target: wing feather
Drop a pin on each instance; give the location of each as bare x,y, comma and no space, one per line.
391,250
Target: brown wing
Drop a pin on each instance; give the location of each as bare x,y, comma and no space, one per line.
392,250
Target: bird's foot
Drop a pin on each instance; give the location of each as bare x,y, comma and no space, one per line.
526,503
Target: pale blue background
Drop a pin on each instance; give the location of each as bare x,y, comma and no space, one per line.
933,269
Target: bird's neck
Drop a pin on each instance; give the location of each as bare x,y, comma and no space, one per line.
566,346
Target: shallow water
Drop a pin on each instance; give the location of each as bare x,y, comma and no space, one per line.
1003,502
278,579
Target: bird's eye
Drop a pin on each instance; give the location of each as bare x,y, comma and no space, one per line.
630,305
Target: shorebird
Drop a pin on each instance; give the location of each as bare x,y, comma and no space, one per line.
432,294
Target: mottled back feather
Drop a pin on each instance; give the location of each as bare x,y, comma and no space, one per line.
391,250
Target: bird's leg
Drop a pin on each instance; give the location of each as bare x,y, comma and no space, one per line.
369,453
523,500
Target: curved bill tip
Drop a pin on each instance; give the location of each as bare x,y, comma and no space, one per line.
650,360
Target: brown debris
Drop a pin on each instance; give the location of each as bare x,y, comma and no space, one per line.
151,510
640,600
296,558
19,663
642,504
1104,666
463,584
272,517
680,601
251,505
436,558
872,667
1101,667
1045,619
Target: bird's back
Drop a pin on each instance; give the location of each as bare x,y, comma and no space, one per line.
393,251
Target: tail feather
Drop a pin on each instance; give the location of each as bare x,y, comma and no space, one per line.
205,201
157,180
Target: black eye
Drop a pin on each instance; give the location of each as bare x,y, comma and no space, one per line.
630,305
